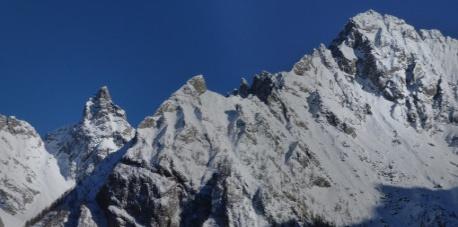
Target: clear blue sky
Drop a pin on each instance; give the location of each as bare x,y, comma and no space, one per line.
56,54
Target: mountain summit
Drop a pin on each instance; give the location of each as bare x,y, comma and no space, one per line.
103,129
363,132
339,139
29,176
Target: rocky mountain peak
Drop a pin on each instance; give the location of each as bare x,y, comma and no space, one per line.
15,126
100,106
389,57
103,93
103,130
372,20
262,87
194,86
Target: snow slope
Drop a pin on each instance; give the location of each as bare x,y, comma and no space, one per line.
30,177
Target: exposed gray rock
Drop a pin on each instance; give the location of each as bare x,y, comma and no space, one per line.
199,84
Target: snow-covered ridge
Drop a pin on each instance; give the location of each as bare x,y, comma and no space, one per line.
349,136
417,70
34,173
360,132
29,176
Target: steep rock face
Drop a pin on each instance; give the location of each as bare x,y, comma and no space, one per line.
417,70
29,176
87,153
86,218
349,136
103,130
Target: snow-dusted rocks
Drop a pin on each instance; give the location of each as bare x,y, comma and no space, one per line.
103,130
348,137
414,69
85,218
362,132
29,176
35,173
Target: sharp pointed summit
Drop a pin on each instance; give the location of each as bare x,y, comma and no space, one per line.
193,87
369,16
103,93
104,129
101,105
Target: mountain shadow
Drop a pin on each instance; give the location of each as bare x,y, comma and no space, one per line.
415,207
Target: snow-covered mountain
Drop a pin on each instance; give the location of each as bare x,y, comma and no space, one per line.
103,130
29,176
330,141
363,131
35,173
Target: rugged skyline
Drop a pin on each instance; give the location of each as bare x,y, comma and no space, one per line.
361,131
55,54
